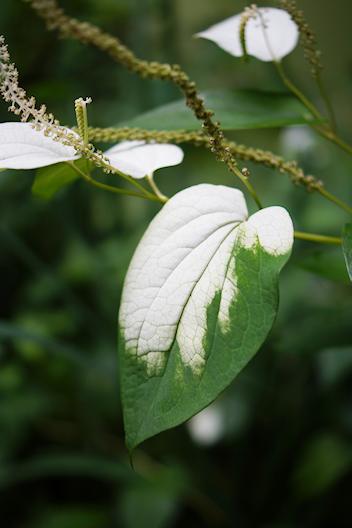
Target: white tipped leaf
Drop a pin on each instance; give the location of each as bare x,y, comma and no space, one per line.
23,147
139,159
271,34
199,298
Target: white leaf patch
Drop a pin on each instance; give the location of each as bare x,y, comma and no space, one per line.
139,159
23,147
183,260
270,35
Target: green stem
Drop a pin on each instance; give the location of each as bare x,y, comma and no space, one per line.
116,190
162,197
331,136
335,200
129,179
324,95
297,92
244,179
325,131
321,239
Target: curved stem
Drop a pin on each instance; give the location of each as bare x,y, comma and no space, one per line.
162,197
325,131
297,92
244,179
117,190
324,95
332,198
321,239
129,179
334,138
198,138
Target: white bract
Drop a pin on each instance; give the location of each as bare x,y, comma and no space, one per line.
184,259
139,159
270,34
23,147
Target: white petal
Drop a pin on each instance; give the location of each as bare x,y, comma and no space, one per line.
138,159
225,34
270,35
23,147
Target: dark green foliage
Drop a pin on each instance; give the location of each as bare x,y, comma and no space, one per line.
236,110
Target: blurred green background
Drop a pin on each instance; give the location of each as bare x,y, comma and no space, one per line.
275,451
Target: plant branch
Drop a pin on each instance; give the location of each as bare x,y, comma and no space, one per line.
297,92
312,53
116,190
243,152
321,239
162,197
324,130
69,27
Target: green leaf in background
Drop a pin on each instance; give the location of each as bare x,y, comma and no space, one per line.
347,247
49,180
199,299
236,110
325,263
323,462
69,516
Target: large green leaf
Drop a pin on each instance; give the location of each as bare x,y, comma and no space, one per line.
199,299
49,180
235,110
347,247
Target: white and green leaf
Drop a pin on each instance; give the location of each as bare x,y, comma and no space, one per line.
200,297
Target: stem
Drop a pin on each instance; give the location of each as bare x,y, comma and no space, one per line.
243,152
116,190
297,92
153,185
89,34
331,136
325,131
129,179
335,200
327,101
244,179
321,239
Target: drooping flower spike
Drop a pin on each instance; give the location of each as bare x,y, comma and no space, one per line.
23,147
270,34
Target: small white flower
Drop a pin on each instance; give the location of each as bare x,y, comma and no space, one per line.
23,147
139,159
270,34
